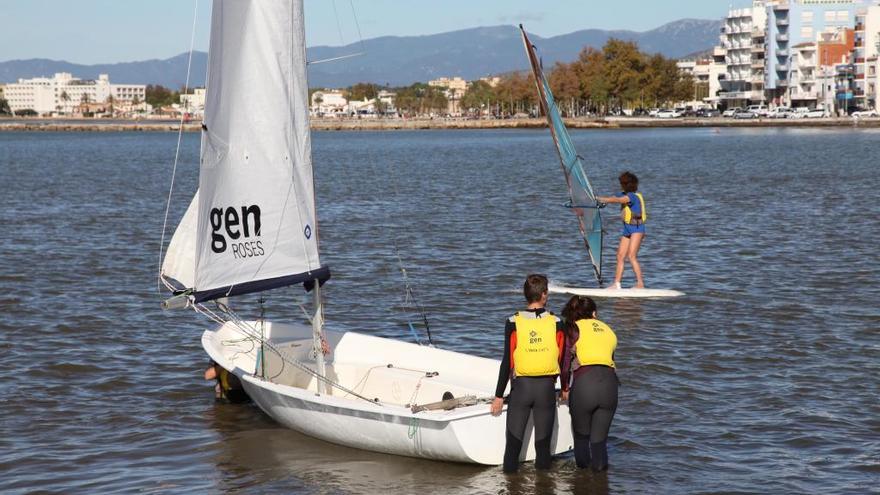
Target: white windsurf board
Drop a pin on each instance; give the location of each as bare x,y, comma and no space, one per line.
617,293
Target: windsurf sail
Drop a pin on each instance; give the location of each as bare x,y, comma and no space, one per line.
582,200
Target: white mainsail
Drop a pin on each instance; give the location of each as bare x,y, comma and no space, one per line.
256,217
179,264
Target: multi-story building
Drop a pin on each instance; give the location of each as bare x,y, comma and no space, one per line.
454,89
761,45
739,29
329,103
194,103
866,52
63,93
792,22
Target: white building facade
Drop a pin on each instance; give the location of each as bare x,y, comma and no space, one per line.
766,49
62,93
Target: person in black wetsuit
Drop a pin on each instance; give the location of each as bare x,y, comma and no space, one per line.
228,387
588,362
533,343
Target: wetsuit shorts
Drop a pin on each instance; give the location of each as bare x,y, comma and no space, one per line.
629,230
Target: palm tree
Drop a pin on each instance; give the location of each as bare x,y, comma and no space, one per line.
65,98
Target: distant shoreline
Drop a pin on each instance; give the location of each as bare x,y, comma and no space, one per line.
93,125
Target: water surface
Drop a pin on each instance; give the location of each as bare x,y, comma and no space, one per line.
762,379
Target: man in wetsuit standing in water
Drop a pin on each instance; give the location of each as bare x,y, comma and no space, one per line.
533,343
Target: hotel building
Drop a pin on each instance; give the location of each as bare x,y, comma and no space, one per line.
62,93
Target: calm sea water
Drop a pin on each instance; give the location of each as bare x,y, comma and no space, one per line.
763,379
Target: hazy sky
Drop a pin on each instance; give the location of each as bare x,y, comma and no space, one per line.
106,31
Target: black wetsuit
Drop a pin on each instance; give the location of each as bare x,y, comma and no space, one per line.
529,395
591,403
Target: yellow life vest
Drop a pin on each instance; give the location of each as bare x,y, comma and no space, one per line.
596,343
224,381
536,353
628,214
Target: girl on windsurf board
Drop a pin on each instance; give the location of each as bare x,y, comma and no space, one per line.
634,215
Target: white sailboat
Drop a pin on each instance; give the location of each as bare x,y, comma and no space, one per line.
582,200
253,227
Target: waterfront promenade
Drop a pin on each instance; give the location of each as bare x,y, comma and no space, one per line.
107,125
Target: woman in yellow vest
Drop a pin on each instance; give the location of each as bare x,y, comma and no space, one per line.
588,365
634,214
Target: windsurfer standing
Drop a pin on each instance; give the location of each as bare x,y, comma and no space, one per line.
634,214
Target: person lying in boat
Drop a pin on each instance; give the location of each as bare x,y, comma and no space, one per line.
228,385
533,343
634,215
588,363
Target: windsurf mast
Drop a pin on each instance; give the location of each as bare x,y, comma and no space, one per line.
582,200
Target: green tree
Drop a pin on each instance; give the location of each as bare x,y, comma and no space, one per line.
479,95
420,99
65,98
624,68
362,91
591,69
4,107
158,95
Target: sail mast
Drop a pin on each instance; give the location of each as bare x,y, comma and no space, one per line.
582,200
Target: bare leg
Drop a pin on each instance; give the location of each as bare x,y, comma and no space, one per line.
632,254
622,251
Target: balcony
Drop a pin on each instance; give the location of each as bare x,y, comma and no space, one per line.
860,27
782,52
782,22
781,8
782,68
804,95
757,48
782,37
757,64
734,95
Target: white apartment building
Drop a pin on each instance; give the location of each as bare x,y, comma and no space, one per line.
194,103
762,43
62,93
742,39
329,103
456,83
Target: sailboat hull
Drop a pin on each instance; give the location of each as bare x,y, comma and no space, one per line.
397,374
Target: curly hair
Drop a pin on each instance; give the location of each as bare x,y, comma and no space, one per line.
629,182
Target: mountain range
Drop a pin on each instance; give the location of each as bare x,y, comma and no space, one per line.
402,60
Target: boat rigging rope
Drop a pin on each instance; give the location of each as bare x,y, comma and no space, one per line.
251,332
192,38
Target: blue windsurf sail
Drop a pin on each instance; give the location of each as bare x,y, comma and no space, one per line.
582,199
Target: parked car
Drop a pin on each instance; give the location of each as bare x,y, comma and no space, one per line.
708,112
668,114
745,114
798,113
759,110
780,113
730,112
861,114
653,112
817,113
